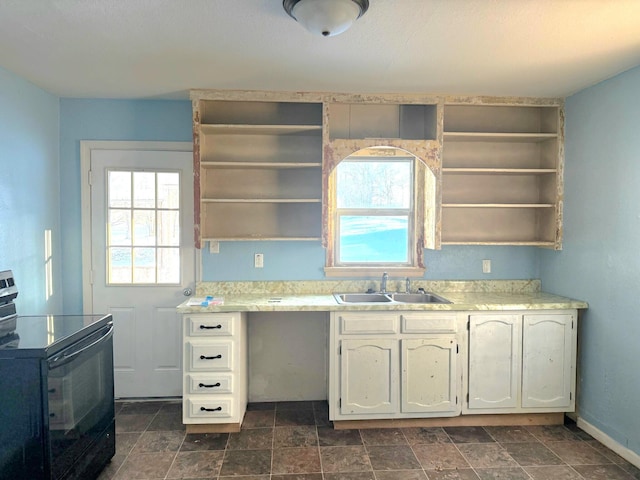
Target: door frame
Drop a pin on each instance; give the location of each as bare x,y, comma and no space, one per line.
86,147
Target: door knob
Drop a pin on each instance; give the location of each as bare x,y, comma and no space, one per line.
187,292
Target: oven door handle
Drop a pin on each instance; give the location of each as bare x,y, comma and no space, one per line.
65,357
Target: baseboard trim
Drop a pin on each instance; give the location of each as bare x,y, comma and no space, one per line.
629,455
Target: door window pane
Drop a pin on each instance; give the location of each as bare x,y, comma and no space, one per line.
143,213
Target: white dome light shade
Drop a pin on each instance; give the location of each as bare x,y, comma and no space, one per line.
326,17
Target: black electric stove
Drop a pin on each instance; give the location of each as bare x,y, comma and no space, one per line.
56,396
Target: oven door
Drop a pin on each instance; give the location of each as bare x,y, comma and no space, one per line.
80,403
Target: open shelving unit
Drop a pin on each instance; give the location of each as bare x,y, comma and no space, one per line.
502,175
260,170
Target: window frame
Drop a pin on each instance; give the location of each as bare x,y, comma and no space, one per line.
425,215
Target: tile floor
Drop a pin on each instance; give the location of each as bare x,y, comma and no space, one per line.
295,441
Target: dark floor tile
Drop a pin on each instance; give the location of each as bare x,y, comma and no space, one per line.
290,418
203,464
577,453
110,470
392,457
145,466
171,407
602,472
383,436
529,454
439,456
416,435
607,452
138,422
468,435
329,437
246,477
452,474
125,442
349,476
509,434
630,468
344,459
133,408
512,473
321,414
246,462
486,455
294,405
577,431
556,472
259,419
401,475
294,476
204,441
296,460
164,441
167,421
261,406
552,433
254,439
300,436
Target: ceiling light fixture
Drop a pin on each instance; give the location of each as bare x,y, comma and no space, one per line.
326,17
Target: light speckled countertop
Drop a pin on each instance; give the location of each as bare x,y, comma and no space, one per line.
318,296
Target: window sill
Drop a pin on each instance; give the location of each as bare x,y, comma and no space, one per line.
374,271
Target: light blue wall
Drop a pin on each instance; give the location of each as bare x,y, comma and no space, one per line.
81,119
29,192
600,262
305,261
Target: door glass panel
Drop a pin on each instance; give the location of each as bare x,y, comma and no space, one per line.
143,213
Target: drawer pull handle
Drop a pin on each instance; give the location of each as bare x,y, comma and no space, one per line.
204,357
204,385
209,327
204,409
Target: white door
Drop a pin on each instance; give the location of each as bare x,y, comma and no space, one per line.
547,353
494,361
142,260
369,376
429,380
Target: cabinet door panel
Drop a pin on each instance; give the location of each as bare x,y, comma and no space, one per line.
547,360
494,361
369,376
429,375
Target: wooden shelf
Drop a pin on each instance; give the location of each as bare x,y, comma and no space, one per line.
498,205
498,171
260,238
246,129
510,243
261,200
498,137
276,165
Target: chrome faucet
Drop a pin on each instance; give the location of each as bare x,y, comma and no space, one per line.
407,285
383,282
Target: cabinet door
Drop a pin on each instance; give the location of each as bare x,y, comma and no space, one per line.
369,376
494,361
547,367
429,375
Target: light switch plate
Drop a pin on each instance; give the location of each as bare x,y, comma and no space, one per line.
258,260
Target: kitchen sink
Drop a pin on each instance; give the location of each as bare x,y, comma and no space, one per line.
349,298
417,298
362,298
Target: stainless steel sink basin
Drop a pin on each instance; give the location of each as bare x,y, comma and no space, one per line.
348,298
361,298
417,298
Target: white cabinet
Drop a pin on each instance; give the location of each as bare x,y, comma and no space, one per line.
522,363
494,360
394,365
215,368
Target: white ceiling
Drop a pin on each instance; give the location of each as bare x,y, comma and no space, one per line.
163,48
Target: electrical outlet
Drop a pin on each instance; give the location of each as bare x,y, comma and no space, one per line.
258,260
486,266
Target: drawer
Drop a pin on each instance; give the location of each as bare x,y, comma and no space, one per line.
210,356
428,323
363,323
210,384
210,408
215,324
